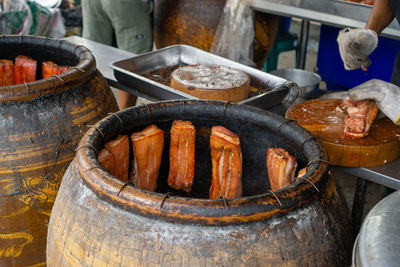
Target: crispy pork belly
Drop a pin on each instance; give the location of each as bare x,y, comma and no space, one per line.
281,168
119,148
226,158
107,160
7,76
147,149
25,69
49,68
181,155
361,115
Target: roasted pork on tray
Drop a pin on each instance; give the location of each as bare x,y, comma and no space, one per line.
226,158
181,155
147,149
281,168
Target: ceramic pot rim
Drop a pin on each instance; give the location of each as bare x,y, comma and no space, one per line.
74,77
191,210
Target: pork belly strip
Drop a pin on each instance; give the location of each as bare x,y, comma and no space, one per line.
361,116
147,149
49,68
107,160
181,155
281,168
226,158
7,76
25,69
119,148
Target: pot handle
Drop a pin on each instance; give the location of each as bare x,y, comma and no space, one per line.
294,92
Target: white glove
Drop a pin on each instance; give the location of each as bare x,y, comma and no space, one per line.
355,45
386,96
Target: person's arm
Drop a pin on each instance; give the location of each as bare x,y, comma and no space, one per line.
355,45
380,16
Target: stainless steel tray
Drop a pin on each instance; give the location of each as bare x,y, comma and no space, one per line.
275,90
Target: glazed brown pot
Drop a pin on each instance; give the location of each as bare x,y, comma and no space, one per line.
41,125
97,220
194,22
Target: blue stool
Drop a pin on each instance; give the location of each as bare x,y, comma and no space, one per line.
284,41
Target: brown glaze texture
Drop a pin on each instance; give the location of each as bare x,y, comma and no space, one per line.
41,125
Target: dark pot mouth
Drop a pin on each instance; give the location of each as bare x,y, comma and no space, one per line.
42,49
196,210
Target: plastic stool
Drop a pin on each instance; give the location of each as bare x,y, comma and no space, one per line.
284,41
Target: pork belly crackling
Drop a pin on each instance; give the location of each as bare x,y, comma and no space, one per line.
226,158
281,168
115,157
147,149
7,75
181,155
361,115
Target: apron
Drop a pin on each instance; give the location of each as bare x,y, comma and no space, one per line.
396,68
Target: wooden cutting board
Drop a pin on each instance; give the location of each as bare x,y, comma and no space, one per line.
321,117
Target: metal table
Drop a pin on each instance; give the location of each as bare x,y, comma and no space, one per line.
104,55
337,13
387,175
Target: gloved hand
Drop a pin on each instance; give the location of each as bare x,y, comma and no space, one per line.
355,45
386,96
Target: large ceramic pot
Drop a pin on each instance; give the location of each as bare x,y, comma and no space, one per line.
194,22
97,220
41,125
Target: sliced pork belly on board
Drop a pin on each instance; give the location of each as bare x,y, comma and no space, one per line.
361,115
